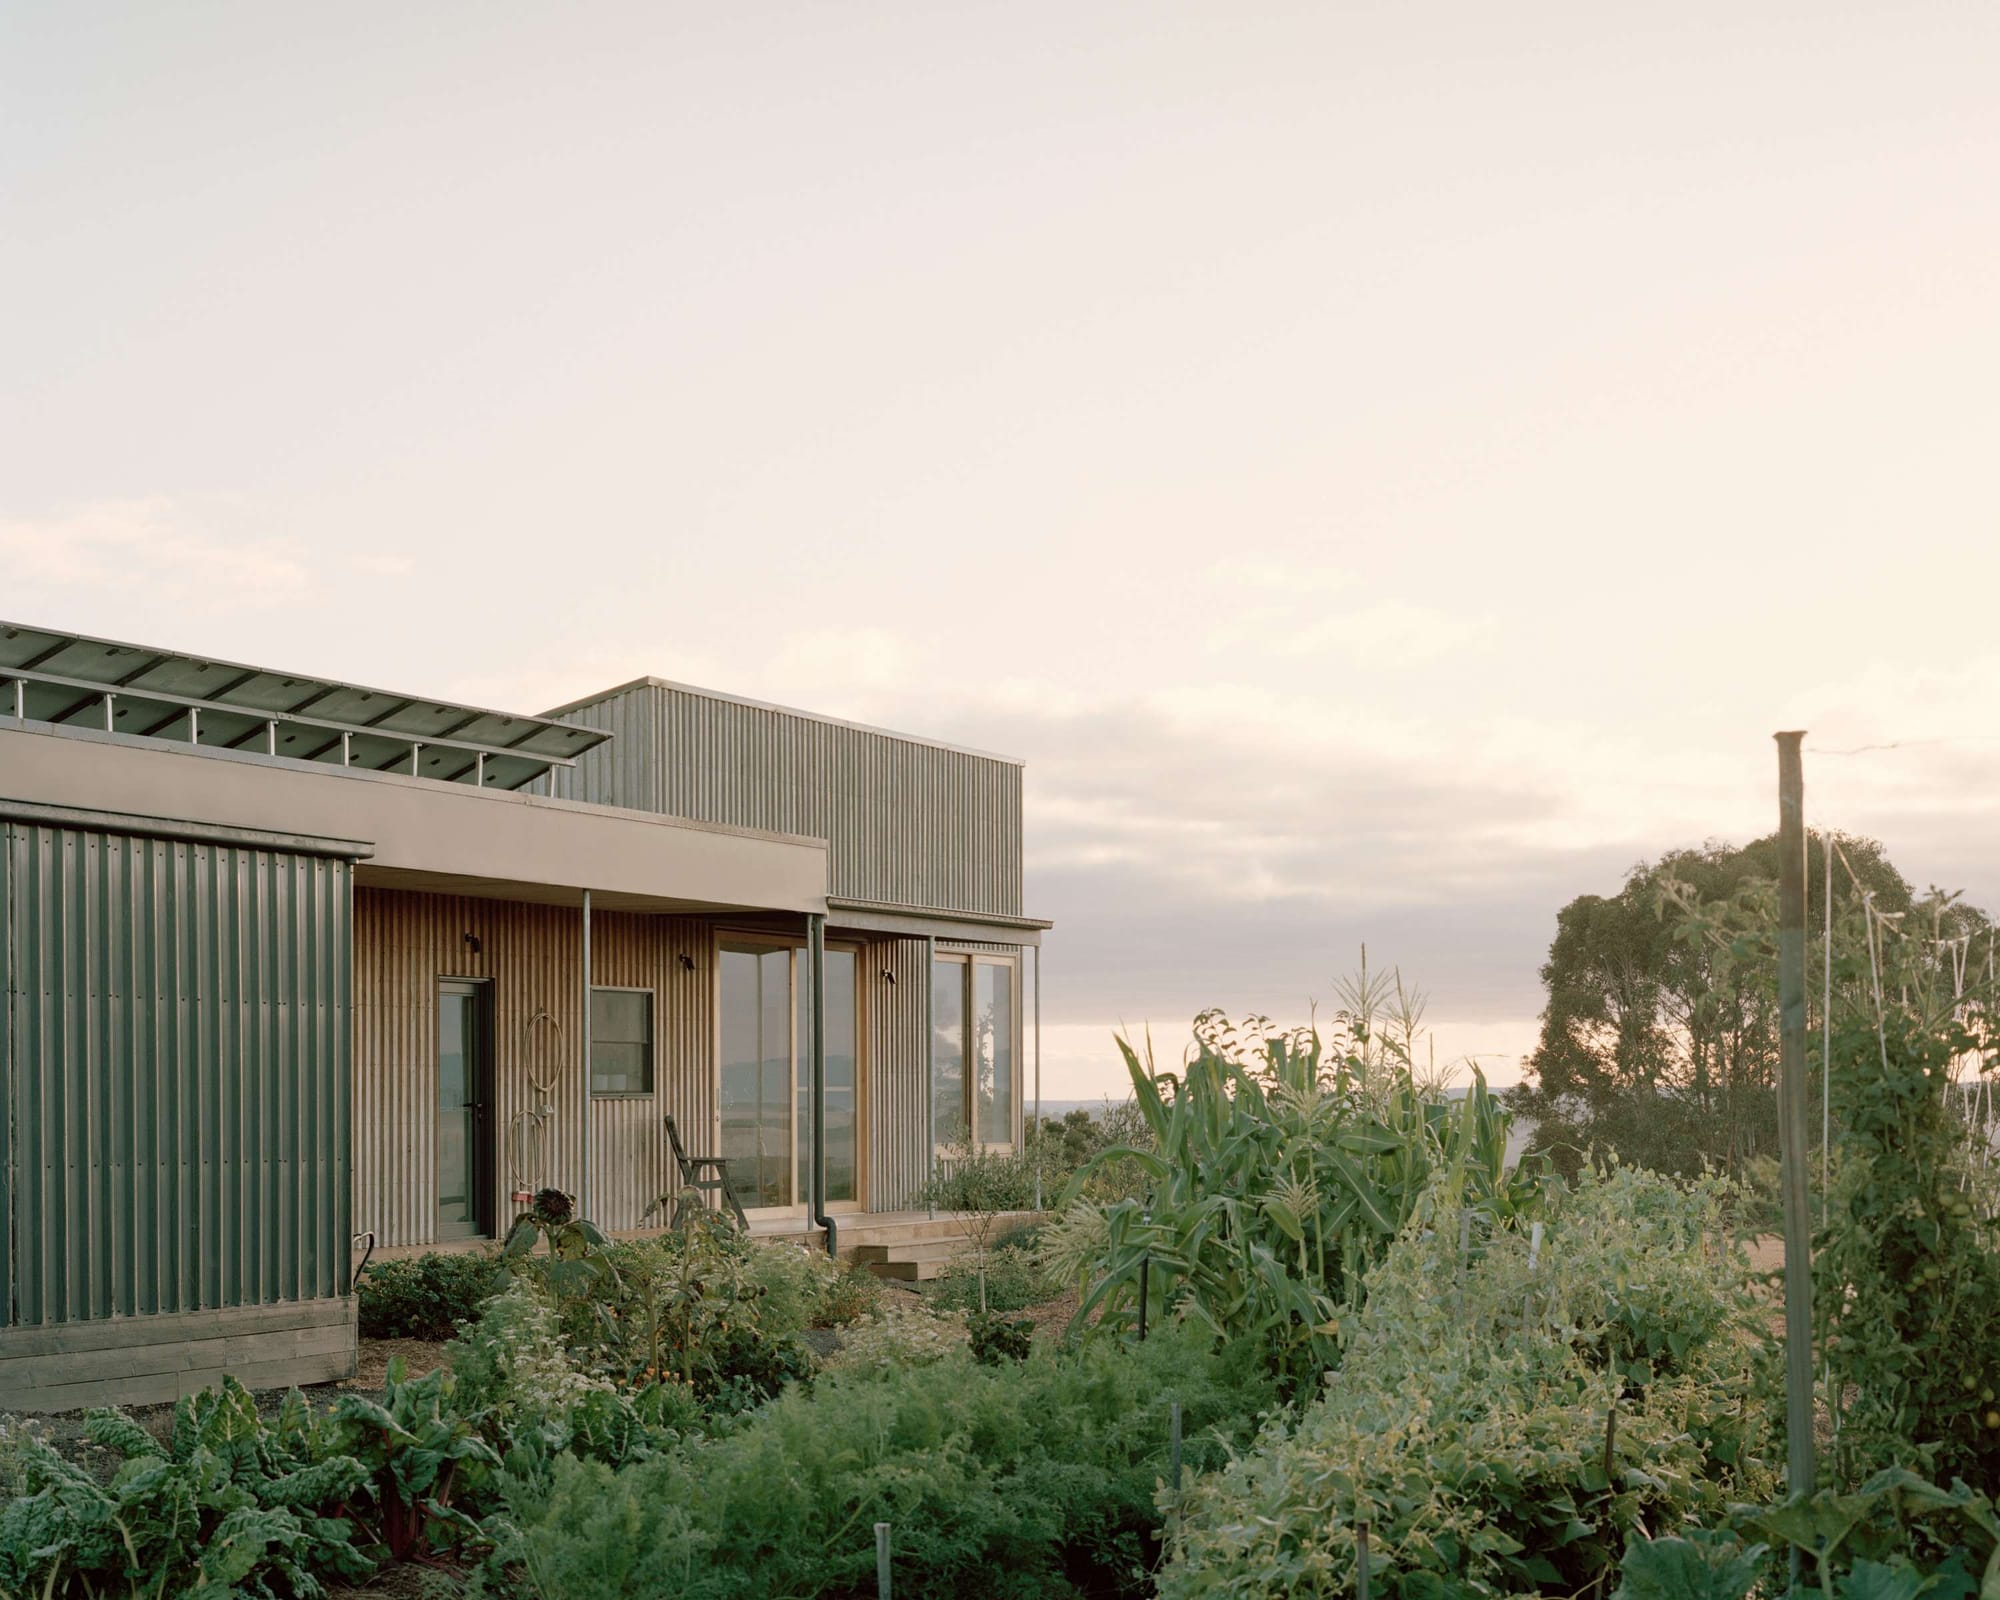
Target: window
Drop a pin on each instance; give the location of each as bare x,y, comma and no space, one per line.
621,1041
979,990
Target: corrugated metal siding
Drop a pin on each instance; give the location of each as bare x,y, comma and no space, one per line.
631,1165
405,943
906,822
623,772
176,1075
897,1060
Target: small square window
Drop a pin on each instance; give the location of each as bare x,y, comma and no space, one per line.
621,1041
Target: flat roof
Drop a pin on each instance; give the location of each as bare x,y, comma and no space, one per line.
59,677
786,711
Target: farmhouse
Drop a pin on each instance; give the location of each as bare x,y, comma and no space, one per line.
294,966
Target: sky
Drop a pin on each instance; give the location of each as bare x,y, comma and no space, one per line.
1386,468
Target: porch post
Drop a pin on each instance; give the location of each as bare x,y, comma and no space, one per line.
1038,1069
816,1047
930,1074
583,1176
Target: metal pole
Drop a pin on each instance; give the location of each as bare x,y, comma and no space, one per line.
1792,1114
1826,1051
882,1560
1361,1560
816,1047
1174,1458
1038,1069
930,1073
583,1177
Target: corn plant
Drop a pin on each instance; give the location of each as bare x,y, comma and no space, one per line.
1277,1176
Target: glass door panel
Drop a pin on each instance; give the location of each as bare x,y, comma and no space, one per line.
993,1032
948,1054
462,1075
758,1079
843,1076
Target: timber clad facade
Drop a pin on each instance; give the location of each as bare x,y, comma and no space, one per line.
292,967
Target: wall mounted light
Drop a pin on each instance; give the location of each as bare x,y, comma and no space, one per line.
472,941
889,977
687,962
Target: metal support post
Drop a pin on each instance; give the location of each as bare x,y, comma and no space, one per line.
1792,1114
583,1178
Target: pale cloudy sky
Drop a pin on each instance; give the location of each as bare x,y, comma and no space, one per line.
1386,467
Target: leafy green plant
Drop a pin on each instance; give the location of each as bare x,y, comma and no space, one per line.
1036,1479
1908,1269
1279,1174
981,1187
1505,1415
426,1296
1897,1537
421,1453
221,1507
1013,1280
995,1338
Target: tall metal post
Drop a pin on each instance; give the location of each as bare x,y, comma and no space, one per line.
583,1178
1792,1113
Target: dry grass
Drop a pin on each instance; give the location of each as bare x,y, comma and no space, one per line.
419,1357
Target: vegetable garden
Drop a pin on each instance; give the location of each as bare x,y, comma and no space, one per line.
1325,1342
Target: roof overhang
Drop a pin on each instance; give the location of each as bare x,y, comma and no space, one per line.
933,922
444,838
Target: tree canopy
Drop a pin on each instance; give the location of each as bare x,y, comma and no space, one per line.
1664,1047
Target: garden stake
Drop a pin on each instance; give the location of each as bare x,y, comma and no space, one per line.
1610,1439
1361,1561
1145,1272
882,1560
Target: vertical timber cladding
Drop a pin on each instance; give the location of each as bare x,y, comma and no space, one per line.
533,956
907,822
175,1075
898,1058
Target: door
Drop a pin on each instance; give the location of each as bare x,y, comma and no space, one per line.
766,1074
465,1111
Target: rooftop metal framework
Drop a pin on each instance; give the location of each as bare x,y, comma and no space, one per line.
70,680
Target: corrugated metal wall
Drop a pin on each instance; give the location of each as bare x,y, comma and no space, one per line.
622,772
898,1058
630,1163
175,1075
405,943
906,822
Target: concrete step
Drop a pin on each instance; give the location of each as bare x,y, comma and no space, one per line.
912,1250
909,1271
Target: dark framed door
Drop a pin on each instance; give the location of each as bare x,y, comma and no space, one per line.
465,1109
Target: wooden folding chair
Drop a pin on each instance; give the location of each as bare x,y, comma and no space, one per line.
706,1176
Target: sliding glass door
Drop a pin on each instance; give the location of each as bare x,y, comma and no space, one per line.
766,1073
975,1051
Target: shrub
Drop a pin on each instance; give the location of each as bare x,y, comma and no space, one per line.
1013,1281
1033,1480
427,1296
1502,1427
698,1306
896,1341
994,1338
